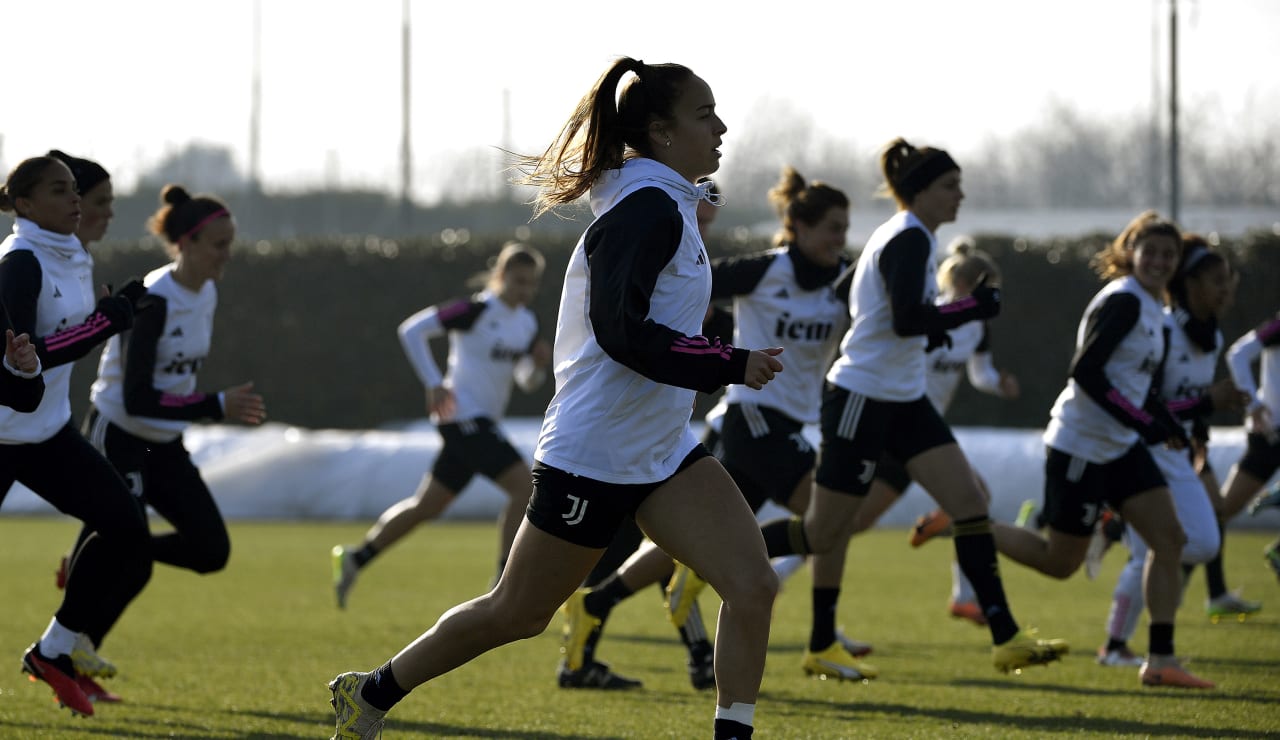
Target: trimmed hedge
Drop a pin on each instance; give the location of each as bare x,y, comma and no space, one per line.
313,322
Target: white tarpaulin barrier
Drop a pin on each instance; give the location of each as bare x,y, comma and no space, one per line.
282,472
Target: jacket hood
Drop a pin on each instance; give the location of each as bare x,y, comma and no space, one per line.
64,245
640,172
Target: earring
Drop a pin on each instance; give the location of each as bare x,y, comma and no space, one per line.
668,142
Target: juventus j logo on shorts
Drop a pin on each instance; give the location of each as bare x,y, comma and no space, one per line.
577,510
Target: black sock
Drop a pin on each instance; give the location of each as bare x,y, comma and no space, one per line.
699,650
381,690
976,553
1214,577
823,632
601,599
727,729
694,631
589,647
368,551
1160,641
1114,644
785,537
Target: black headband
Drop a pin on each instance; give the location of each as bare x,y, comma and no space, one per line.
87,172
1196,254
926,169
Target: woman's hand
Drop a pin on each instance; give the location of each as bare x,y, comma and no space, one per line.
20,352
1226,396
541,353
441,402
1009,387
241,404
761,367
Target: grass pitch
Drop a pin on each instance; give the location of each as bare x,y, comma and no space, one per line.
246,653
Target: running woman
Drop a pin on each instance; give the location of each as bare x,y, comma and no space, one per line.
46,285
493,338
784,296
964,350
628,570
616,439
1100,435
1198,292
145,395
875,403
1262,423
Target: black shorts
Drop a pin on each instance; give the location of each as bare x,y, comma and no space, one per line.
857,431
1261,457
765,452
585,511
472,446
891,472
1075,489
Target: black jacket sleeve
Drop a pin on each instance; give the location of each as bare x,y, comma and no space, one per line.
18,393
627,249
20,278
732,276
1105,328
902,264
21,394
138,347
460,315
719,325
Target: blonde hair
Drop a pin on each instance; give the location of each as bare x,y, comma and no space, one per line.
968,263
513,254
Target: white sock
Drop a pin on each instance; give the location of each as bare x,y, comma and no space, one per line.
787,565
56,640
743,714
961,589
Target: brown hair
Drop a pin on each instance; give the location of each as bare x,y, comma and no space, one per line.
795,201
23,180
967,262
908,170
1197,256
182,214
1116,259
602,134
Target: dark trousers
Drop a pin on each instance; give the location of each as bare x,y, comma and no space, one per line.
114,562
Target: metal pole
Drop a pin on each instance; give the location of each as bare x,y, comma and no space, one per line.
1175,196
255,105
406,151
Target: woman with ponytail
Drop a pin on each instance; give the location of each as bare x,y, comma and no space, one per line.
616,441
145,395
876,400
46,287
965,350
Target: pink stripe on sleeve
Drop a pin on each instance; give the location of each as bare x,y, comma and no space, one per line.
453,309
1118,400
173,401
1182,405
960,305
95,324
1268,334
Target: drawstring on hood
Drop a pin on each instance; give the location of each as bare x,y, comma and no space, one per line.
639,172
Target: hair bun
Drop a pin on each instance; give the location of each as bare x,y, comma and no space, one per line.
962,246
174,195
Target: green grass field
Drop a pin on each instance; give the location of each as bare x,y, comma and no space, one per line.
246,653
